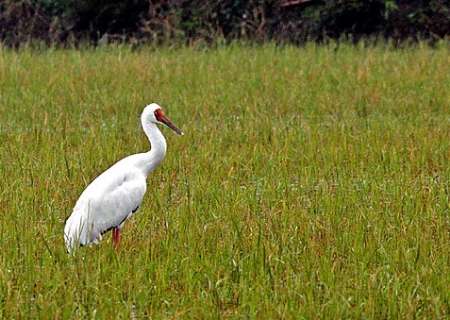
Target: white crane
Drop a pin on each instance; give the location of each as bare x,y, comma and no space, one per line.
117,193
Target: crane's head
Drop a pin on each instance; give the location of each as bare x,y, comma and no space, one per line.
153,113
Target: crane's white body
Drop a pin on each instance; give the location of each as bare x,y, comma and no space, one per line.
117,193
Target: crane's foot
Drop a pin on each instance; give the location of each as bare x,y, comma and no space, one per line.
116,237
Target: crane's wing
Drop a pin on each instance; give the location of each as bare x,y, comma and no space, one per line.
106,203
114,207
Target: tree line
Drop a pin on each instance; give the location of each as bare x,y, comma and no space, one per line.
293,21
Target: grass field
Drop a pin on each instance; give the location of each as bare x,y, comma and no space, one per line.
311,183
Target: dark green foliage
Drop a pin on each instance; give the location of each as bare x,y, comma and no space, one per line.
189,20
97,17
22,21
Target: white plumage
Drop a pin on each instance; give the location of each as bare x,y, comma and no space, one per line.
117,193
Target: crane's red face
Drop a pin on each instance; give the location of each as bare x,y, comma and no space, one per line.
161,117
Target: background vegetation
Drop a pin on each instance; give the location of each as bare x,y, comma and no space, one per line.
295,21
311,183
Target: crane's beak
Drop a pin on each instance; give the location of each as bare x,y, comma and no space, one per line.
170,124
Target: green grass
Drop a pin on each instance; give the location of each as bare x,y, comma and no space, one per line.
311,183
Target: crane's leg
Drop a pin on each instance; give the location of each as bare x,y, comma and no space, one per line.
116,237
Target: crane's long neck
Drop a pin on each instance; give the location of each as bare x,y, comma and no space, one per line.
153,158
